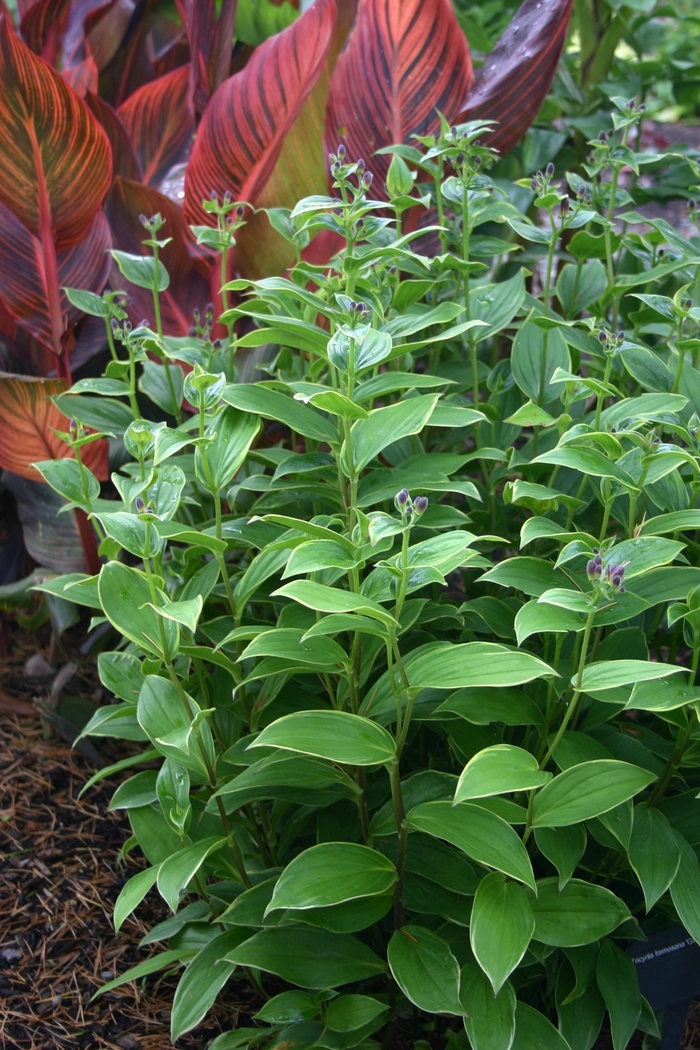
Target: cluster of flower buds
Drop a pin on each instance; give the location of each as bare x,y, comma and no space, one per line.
410,509
153,224
76,431
340,168
609,576
141,507
120,332
541,179
202,328
610,340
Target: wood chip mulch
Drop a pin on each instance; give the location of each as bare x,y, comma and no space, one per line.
60,874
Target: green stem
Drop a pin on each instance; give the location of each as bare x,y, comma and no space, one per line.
400,818
577,691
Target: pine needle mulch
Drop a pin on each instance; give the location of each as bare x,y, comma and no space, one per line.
59,878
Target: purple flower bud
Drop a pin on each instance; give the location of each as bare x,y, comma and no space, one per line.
477,162
540,174
191,330
227,197
630,104
609,133
420,504
196,314
240,212
214,196
144,221
140,505
453,131
367,179
392,270
688,304
360,166
620,337
692,205
402,498
601,136
602,338
209,311
550,170
642,108
591,567
534,185
341,152
564,207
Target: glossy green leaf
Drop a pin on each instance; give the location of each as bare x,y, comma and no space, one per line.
488,1019
653,852
475,664
309,957
564,847
685,889
482,835
347,1013
331,873
587,790
501,927
618,983
202,981
578,914
498,770
333,600
176,872
271,404
369,437
335,735
533,1031
288,1007
125,597
612,674
141,270
132,893
425,969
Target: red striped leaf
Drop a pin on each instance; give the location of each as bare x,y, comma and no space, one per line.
82,77
300,171
24,282
189,287
104,29
159,121
26,435
55,163
43,27
245,125
514,81
404,61
124,159
210,42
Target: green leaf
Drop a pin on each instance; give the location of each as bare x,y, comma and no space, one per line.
153,382
87,302
332,600
498,770
132,893
126,600
288,1007
286,644
564,847
662,695
271,404
610,674
497,304
534,618
347,1013
675,521
139,790
482,835
218,462
121,674
501,927
617,980
534,1032
475,664
580,287
587,790
177,871
331,873
685,889
654,853
202,981
481,706
64,477
141,270
587,461
186,613
532,576
335,403
425,970
489,1020
308,956
535,357
157,962
110,416
169,726
580,913
131,533
316,555
335,735
384,426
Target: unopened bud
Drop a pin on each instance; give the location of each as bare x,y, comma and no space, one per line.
609,133
534,185
140,505
360,165
602,338
564,207
240,212
144,221
341,152
687,304
401,498
214,196
420,505
367,179
550,170
227,197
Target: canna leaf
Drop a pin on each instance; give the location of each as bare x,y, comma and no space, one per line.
402,64
514,80
29,418
160,123
210,41
245,124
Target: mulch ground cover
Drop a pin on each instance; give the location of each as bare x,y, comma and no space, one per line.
60,873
